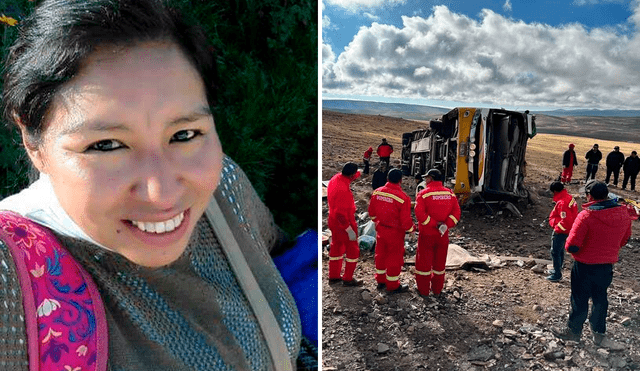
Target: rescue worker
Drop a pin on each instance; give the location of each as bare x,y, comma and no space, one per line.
561,220
437,210
569,160
614,162
366,158
342,223
384,151
600,230
390,210
593,158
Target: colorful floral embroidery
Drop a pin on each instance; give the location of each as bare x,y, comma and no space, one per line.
50,334
47,307
66,318
82,350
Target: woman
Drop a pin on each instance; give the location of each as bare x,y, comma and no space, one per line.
113,102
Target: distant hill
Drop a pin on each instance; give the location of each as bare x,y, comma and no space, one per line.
416,111
399,110
616,125
592,113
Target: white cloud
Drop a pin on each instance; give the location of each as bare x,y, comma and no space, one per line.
372,17
451,57
357,5
594,2
326,22
507,6
635,16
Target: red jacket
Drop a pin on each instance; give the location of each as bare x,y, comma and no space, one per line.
367,153
436,204
564,213
600,230
342,207
384,150
391,207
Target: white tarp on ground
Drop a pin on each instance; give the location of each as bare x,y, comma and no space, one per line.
459,258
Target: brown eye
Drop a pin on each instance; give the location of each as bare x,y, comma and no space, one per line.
185,135
105,145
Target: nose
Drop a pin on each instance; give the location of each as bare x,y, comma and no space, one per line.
159,181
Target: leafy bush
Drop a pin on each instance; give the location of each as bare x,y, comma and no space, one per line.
266,111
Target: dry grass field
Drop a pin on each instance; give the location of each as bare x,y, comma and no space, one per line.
365,329
544,153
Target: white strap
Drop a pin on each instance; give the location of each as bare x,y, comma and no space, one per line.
262,310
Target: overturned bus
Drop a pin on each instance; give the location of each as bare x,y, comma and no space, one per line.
480,152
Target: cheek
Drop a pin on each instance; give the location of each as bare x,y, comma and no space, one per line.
204,165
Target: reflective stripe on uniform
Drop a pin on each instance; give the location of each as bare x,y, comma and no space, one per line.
455,221
561,227
336,257
373,218
428,273
438,272
381,271
351,260
572,202
438,193
392,278
427,220
389,195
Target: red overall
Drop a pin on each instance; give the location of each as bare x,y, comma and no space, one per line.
564,213
390,209
435,205
568,161
342,210
367,154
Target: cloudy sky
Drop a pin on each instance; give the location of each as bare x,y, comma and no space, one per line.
510,53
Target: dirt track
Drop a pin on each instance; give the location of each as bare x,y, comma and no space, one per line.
495,319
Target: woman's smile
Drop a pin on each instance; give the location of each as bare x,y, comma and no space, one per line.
160,227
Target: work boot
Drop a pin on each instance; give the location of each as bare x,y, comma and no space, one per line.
381,286
402,288
566,334
554,278
333,281
354,282
602,341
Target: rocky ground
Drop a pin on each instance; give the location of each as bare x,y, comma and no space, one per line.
497,318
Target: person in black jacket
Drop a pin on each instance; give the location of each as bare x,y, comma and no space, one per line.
615,159
569,160
379,177
631,167
593,158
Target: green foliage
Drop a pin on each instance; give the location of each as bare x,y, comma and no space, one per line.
266,111
14,164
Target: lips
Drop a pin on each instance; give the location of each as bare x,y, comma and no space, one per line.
160,227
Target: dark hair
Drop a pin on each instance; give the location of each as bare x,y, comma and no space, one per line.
556,187
394,176
434,174
58,37
349,169
597,189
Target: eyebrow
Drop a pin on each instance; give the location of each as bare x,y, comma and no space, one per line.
103,126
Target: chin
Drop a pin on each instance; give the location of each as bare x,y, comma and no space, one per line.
151,257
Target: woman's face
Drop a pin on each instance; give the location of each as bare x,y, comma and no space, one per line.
132,151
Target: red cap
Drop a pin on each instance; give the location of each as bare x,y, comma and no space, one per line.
571,145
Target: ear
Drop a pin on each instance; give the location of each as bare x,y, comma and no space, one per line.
32,148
